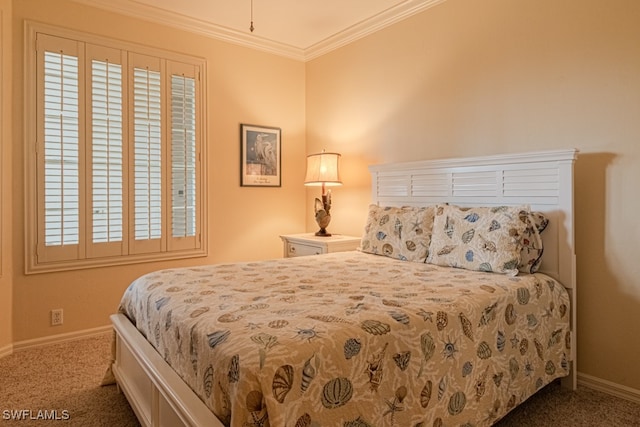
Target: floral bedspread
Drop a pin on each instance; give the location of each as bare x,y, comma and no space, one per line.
354,339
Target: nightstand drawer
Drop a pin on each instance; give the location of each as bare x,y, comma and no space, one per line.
310,244
299,249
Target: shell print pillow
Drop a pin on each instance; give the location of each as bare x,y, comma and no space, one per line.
398,232
532,244
480,238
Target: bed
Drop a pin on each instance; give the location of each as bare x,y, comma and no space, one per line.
430,333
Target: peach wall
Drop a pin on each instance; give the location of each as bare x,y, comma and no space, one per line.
243,86
470,77
6,289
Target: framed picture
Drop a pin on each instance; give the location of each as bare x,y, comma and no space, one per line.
261,154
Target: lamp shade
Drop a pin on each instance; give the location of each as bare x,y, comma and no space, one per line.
323,168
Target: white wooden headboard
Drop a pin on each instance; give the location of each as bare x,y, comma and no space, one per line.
543,180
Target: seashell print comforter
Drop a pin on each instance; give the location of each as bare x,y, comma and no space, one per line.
354,339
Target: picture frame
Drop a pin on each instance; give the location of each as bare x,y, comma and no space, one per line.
260,156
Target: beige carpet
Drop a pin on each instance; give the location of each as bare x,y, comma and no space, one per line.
62,377
64,380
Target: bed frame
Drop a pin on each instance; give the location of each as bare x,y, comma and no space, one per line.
543,180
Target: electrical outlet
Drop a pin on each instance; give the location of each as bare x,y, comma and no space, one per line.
56,317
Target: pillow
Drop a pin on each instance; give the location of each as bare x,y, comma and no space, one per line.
398,232
481,238
539,220
532,247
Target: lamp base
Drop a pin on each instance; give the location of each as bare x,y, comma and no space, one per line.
323,233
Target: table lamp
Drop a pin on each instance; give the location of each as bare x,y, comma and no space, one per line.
323,170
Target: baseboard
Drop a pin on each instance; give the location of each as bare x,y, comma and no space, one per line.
609,387
6,350
54,339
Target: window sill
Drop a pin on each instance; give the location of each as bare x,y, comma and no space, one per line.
33,267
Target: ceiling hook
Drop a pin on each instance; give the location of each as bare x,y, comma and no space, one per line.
251,28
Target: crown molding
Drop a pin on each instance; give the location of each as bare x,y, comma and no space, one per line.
369,26
197,26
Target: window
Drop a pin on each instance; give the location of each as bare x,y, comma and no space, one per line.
116,174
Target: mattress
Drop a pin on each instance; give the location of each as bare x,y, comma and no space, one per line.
354,339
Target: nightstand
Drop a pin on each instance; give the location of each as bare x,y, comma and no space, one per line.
310,244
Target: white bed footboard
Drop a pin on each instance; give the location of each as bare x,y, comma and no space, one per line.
156,393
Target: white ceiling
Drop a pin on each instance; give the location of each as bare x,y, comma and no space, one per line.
300,29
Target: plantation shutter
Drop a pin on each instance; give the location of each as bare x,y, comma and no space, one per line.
116,173
106,223
61,149
183,157
183,165
147,155
60,114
